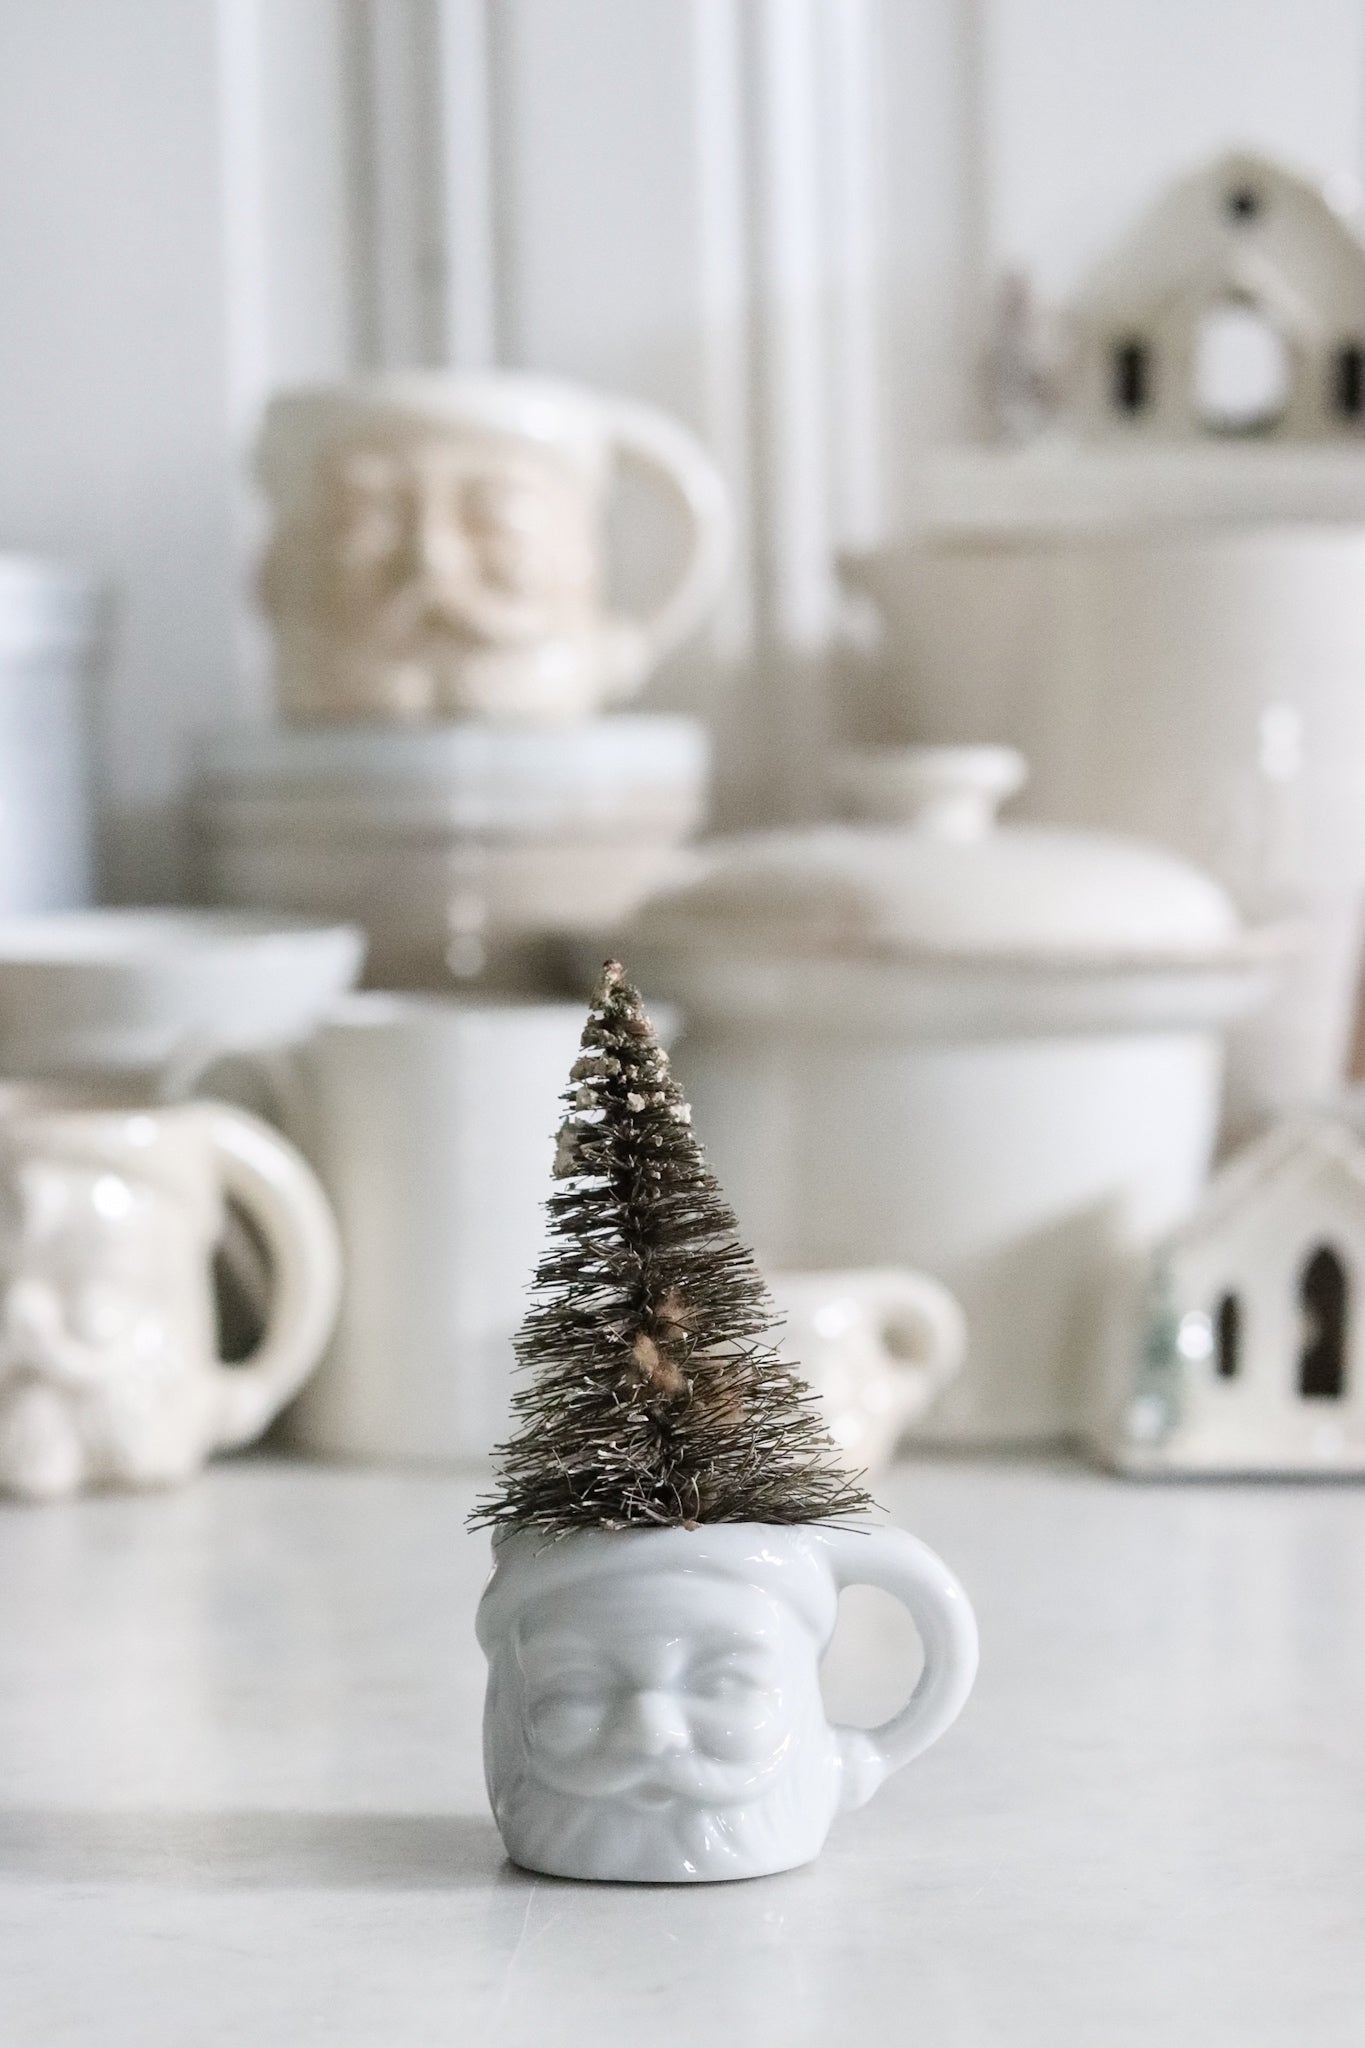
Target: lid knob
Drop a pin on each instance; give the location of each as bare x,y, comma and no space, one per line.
946,792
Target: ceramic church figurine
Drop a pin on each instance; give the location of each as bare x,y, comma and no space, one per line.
439,547
1249,1354
672,1528
1236,307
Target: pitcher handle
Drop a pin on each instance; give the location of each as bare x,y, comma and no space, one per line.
907,1569
280,1193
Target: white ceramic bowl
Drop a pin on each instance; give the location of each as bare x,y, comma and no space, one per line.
163,990
457,848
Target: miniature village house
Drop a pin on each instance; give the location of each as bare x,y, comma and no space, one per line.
1253,1357
1236,307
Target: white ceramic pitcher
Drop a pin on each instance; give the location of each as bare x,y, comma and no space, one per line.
109,1216
877,1344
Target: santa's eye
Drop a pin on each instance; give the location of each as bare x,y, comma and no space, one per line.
722,1678
565,1722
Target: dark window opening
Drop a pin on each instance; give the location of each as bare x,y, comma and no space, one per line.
1131,376
1242,204
1348,380
1323,1308
1227,1336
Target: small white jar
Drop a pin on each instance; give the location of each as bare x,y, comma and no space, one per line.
990,1053
48,626
653,1711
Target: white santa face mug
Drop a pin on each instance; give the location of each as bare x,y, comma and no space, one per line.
654,1712
109,1216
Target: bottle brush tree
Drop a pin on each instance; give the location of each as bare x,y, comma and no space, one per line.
652,1392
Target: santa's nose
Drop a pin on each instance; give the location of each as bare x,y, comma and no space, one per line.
432,541
652,1723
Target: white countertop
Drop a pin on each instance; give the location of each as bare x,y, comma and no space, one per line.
241,1798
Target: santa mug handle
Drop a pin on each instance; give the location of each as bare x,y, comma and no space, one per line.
907,1569
280,1193
664,448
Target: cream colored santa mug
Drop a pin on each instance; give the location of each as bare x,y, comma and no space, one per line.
440,546
109,1216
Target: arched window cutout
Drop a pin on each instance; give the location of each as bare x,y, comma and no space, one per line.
1227,1337
1323,1307
1131,375
1348,388
1242,369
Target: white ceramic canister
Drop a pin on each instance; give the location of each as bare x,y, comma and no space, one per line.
1175,639
456,848
431,1123
48,632
993,1054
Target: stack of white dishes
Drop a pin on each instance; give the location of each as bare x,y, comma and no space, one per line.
48,622
457,847
441,579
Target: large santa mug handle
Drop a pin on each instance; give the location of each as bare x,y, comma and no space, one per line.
901,1565
665,449
280,1193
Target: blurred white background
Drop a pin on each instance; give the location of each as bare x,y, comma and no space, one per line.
785,219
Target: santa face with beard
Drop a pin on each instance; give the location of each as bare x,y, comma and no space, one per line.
660,1728
439,572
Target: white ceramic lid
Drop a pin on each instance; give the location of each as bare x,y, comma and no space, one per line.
927,871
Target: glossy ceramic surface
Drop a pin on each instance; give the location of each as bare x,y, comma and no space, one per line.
927,874
654,1711
109,1367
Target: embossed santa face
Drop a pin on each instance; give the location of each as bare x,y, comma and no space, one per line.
103,1315
428,536
667,1726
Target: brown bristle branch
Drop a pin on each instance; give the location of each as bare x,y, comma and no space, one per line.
652,1392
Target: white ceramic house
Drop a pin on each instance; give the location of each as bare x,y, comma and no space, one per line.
1236,307
1253,1357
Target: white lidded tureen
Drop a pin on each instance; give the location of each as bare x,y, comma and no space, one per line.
993,1052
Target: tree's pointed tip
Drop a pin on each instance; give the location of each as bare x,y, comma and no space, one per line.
611,977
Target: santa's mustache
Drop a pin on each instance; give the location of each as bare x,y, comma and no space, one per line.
35,1343
465,610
